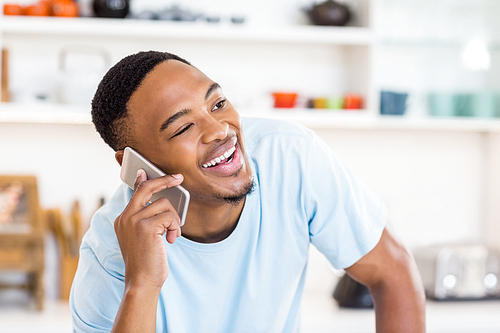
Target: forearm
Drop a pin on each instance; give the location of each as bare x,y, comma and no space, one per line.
137,312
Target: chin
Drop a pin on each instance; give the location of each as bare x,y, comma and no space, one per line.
236,199
233,197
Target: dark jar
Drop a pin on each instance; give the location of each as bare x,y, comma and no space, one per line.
329,13
111,8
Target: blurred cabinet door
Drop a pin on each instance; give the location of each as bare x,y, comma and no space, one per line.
22,234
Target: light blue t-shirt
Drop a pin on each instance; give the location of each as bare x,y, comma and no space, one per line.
253,280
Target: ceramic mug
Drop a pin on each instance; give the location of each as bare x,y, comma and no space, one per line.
445,104
285,99
335,103
484,105
393,102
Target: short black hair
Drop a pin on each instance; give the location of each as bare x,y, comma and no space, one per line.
109,106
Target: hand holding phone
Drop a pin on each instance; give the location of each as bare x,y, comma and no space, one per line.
141,230
177,195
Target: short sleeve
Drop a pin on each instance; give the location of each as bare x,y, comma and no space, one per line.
98,285
95,295
346,219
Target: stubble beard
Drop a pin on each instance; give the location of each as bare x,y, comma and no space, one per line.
236,199
233,199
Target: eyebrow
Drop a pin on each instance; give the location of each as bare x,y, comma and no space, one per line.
181,113
210,90
173,118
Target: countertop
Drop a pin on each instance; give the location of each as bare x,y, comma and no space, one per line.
320,313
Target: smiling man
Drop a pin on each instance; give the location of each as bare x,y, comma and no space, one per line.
257,202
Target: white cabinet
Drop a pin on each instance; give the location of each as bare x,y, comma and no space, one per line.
252,60
248,61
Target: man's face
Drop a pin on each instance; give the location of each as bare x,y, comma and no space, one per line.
183,124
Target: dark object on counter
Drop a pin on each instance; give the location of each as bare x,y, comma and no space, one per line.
352,294
111,8
329,13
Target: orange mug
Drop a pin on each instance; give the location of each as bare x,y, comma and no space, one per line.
319,103
353,101
285,99
65,8
38,9
13,9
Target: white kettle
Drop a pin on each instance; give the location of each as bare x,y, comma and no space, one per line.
80,71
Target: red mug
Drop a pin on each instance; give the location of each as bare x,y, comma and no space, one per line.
284,99
352,101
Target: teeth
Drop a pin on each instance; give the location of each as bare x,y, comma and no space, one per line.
220,158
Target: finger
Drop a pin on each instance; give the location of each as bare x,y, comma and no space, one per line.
172,235
145,189
166,222
158,207
141,176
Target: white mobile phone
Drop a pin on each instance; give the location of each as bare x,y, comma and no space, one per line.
177,195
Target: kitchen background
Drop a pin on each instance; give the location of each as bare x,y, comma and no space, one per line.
406,94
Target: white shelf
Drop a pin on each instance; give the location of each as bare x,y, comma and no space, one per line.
44,113
430,42
366,119
329,119
130,28
319,118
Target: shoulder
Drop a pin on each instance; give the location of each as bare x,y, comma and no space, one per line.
260,130
104,217
101,270
101,239
116,204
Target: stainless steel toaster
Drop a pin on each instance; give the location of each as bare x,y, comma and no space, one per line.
460,271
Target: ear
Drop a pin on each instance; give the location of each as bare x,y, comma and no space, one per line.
119,156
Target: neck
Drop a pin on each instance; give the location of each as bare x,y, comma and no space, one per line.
211,222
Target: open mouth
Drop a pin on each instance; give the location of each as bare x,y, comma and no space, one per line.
225,158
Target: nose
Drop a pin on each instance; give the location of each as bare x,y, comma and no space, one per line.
214,129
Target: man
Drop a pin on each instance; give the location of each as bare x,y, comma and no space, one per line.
257,202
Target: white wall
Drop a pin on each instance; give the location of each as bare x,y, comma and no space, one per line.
492,213
431,181
71,162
